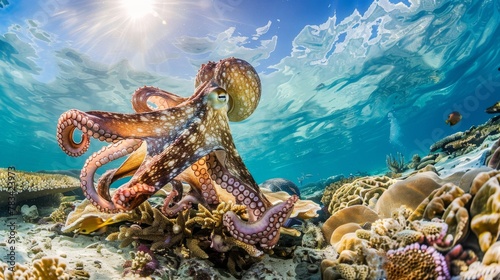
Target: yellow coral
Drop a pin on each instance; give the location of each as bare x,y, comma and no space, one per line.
485,210
415,262
409,192
30,185
213,219
46,268
195,250
361,191
359,214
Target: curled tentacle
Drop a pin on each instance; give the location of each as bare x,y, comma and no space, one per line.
185,203
102,157
266,230
160,98
66,125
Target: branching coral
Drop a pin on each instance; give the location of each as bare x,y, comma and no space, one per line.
46,268
213,219
396,163
163,232
143,262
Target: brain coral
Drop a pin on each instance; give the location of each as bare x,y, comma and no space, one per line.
362,191
416,261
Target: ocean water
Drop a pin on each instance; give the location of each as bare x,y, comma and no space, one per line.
347,91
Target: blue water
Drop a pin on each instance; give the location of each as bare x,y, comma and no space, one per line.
347,92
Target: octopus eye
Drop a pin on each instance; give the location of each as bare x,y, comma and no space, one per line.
218,98
222,97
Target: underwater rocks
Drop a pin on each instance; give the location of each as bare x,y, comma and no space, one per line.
280,184
29,213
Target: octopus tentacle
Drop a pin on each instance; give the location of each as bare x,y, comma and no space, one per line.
159,170
103,156
66,125
252,198
166,202
127,168
266,230
198,177
112,127
162,99
185,203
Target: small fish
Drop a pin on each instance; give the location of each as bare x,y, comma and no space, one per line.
494,109
453,118
93,224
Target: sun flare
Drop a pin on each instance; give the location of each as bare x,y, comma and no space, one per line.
138,8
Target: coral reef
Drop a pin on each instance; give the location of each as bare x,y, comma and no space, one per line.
489,268
493,160
313,236
463,142
46,268
447,204
30,185
396,164
358,214
416,261
331,188
448,139
143,262
60,215
362,191
485,212
409,192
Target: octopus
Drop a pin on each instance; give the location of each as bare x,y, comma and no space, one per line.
174,139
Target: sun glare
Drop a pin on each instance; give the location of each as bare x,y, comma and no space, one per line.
138,8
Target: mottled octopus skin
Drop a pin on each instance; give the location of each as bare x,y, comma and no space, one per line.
180,139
